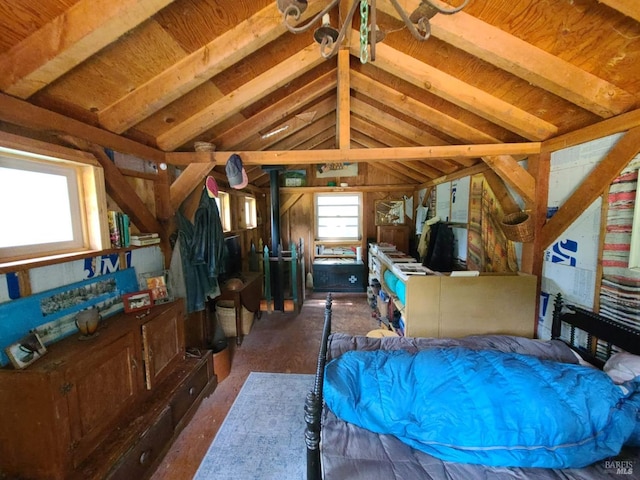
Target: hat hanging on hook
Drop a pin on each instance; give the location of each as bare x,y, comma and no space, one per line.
236,173
212,187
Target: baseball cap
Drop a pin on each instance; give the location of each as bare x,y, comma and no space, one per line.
236,173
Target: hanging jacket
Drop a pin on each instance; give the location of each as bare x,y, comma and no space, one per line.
202,250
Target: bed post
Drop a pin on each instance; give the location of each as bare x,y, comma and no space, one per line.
313,404
556,325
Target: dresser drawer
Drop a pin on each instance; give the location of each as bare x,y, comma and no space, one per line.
136,462
188,392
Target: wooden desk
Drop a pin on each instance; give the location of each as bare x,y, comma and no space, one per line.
248,295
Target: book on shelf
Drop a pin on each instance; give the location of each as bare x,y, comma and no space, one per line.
144,241
114,230
119,228
144,236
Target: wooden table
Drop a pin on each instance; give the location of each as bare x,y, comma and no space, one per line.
248,295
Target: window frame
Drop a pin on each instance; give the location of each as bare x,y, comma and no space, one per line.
92,204
318,217
250,212
224,209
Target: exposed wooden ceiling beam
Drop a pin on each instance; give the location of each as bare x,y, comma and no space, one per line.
291,125
466,172
118,187
68,40
607,127
459,93
343,109
196,68
592,187
399,170
413,108
630,8
527,61
387,138
30,116
410,132
190,179
265,120
258,87
514,175
298,138
280,157
407,130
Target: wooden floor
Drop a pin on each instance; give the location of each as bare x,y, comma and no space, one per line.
278,342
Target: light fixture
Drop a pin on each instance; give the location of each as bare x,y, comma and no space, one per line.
330,37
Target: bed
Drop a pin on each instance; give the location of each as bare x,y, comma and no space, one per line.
341,450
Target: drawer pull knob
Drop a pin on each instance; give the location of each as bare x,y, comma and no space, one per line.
144,457
192,390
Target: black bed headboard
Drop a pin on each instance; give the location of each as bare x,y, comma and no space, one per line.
599,330
314,402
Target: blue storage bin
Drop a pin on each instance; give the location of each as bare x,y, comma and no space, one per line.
401,291
391,280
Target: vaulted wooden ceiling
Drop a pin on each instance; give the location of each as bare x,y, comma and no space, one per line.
492,82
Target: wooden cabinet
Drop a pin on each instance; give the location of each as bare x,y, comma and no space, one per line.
397,235
67,414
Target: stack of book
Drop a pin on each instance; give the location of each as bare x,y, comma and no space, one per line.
118,229
143,239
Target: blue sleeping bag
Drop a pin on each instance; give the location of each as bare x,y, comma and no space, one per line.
485,407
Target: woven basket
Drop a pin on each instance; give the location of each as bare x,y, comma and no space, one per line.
226,316
518,227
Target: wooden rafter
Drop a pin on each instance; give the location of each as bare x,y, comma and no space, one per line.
68,40
460,93
235,101
628,7
413,108
267,118
195,69
528,62
593,186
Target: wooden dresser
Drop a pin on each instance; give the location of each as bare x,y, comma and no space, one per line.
104,407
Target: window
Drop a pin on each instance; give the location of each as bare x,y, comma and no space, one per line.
338,216
49,205
225,210
250,218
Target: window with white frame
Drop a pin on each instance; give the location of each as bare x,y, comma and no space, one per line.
250,216
48,206
224,208
338,216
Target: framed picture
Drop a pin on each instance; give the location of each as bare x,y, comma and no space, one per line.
389,212
26,351
137,301
157,283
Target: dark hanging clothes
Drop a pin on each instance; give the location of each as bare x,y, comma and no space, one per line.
202,249
439,255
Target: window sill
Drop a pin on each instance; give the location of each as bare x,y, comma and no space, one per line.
27,264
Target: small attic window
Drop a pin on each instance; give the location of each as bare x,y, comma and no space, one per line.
48,206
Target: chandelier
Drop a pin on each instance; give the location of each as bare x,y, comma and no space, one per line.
330,37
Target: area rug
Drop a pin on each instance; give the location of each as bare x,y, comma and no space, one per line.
262,436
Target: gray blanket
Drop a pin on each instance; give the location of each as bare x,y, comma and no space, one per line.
352,453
